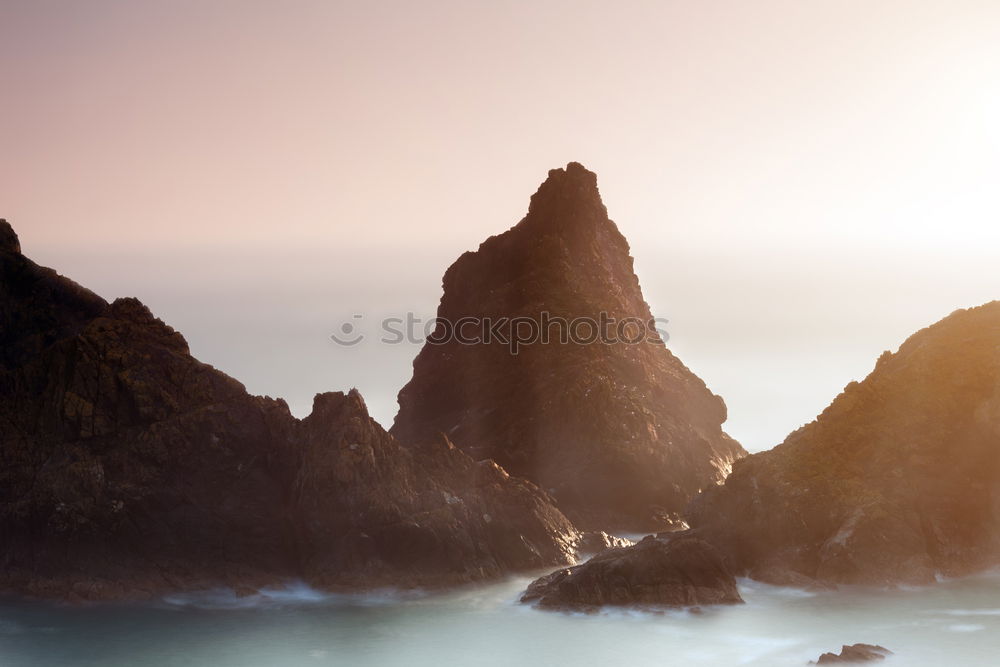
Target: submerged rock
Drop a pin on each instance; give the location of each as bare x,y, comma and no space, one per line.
855,653
895,483
130,468
677,571
581,396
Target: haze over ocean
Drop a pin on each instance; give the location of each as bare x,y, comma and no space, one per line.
802,185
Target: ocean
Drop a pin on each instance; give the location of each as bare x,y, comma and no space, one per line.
955,622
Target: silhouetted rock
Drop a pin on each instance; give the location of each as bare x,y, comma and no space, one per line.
8,239
131,468
370,512
855,653
678,571
894,483
622,435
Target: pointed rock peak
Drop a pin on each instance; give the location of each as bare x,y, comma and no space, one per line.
339,404
568,192
574,171
357,401
130,308
8,238
622,435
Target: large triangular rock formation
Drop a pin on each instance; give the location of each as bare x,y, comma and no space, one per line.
622,434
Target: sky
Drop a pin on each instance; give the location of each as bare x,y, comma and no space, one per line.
803,184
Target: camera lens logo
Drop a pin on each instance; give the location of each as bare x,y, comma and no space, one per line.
349,335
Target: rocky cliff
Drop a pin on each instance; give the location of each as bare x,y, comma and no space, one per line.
130,468
369,511
898,480
611,424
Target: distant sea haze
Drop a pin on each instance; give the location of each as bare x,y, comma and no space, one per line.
777,344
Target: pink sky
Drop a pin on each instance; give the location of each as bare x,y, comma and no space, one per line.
803,183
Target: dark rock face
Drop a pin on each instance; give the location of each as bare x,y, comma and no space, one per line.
677,571
131,468
622,435
855,653
896,481
370,512
8,239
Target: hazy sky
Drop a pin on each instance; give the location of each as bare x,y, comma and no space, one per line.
803,184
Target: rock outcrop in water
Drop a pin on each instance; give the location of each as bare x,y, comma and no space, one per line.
622,435
369,511
855,653
898,480
130,468
670,571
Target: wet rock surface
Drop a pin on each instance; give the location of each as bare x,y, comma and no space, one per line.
622,435
130,469
677,571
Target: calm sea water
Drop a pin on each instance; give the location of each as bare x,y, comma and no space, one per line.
954,623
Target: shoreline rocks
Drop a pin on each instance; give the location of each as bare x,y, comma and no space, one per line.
894,483
676,571
131,469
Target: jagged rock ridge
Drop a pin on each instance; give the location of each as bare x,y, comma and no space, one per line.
131,468
622,435
897,481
